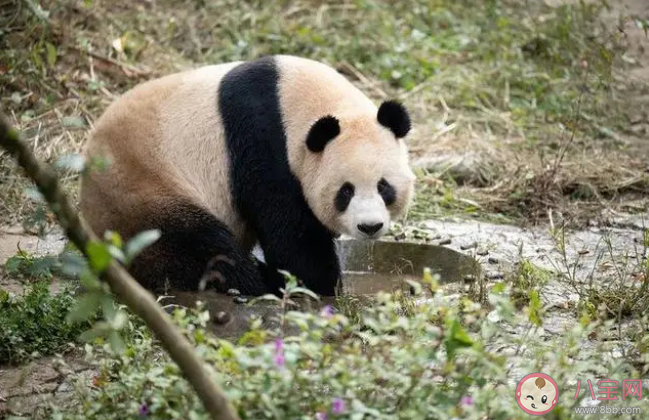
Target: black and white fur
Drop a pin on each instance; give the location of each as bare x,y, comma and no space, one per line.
281,150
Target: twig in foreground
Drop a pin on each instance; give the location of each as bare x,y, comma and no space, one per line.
127,290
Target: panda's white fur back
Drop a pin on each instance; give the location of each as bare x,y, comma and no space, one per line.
193,143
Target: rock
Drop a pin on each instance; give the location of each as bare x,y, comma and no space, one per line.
470,278
171,308
233,292
482,251
471,245
494,276
493,260
240,299
400,236
222,318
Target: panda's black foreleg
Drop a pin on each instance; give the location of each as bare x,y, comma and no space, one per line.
310,259
194,248
294,241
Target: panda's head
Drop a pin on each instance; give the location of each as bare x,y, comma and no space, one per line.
357,171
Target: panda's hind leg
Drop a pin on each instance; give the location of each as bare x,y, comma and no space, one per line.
194,247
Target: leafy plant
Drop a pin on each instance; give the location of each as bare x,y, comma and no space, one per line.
35,324
436,360
25,265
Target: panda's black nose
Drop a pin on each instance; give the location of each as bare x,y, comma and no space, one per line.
368,229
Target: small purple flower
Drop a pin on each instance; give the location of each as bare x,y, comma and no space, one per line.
338,406
279,360
327,311
144,410
466,400
321,416
279,353
279,345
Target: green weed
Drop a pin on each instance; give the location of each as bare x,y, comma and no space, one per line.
34,325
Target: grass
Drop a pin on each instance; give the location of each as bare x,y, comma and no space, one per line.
499,79
621,292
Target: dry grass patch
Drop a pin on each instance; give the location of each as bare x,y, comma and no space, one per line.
497,83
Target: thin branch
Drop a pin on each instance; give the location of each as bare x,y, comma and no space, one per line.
126,289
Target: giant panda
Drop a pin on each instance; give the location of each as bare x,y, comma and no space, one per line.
282,151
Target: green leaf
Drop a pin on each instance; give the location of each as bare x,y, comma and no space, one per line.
98,256
535,308
116,342
291,280
100,329
304,291
268,297
431,280
13,264
41,267
85,307
72,264
456,338
141,241
89,280
499,288
109,308
36,58
51,54
416,286
117,253
119,320
114,238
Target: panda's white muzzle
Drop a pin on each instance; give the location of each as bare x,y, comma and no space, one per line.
366,218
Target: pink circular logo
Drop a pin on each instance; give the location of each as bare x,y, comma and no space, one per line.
537,394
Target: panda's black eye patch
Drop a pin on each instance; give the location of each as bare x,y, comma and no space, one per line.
387,192
344,196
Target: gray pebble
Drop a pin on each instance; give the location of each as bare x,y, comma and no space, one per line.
482,251
233,292
469,278
469,246
240,299
171,308
495,276
446,241
493,260
400,237
221,318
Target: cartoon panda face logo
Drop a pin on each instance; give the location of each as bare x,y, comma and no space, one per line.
537,394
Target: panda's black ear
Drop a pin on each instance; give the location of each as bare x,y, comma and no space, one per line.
322,132
393,115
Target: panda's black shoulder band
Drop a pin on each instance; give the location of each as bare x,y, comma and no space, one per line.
322,132
393,115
